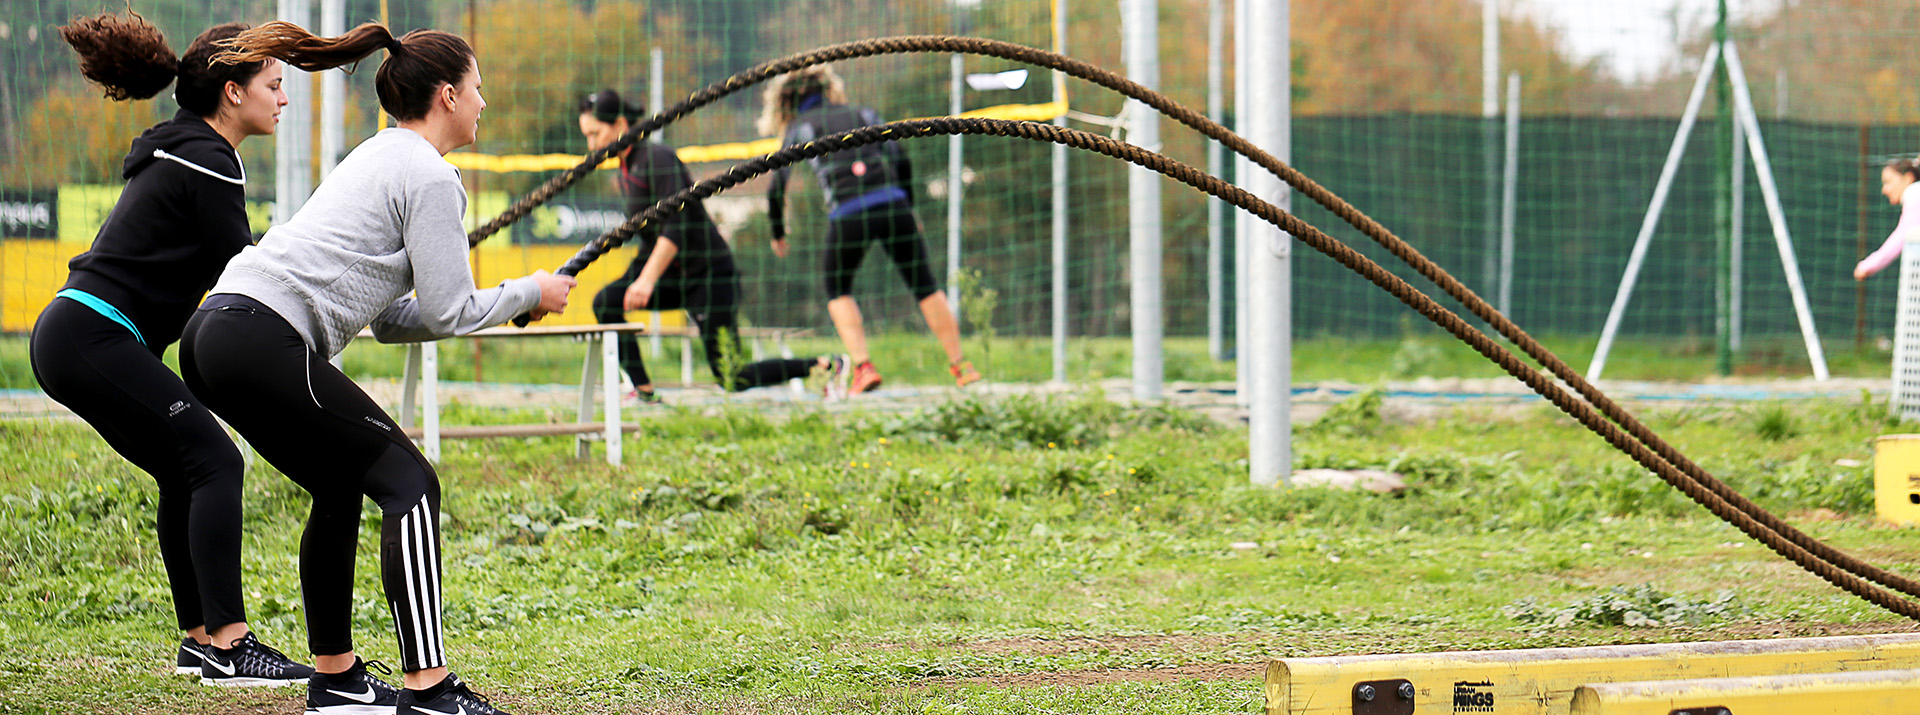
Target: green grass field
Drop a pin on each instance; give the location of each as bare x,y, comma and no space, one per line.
1025,555
914,358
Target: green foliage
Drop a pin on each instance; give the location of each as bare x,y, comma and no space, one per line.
1358,415
977,302
1774,423
1634,607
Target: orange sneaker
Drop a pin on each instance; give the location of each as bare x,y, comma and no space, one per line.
963,373
865,378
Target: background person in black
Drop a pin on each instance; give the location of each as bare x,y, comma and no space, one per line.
96,347
683,263
869,193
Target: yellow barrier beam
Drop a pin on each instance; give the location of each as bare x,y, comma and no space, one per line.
730,151
1543,681
1878,692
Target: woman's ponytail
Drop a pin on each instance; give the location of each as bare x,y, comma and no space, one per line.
124,54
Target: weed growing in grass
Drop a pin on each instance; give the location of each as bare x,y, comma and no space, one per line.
1774,423
1635,607
1356,416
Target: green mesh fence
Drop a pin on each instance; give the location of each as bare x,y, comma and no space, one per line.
1387,113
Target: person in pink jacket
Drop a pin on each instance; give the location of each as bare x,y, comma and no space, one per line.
1900,182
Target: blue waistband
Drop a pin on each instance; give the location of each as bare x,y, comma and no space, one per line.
102,307
877,197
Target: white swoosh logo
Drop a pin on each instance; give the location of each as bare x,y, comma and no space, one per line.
366,697
217,665
457,710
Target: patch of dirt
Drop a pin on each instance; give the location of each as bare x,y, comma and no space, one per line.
1078,678
1076,644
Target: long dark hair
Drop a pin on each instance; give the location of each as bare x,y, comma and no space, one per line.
1910,167
607,106
129,58
417,63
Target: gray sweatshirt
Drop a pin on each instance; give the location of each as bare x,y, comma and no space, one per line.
386,221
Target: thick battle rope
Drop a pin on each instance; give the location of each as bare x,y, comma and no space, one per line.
1300,182
1319,241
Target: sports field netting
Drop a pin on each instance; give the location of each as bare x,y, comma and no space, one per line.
1387,113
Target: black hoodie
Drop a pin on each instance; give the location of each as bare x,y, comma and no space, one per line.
181,217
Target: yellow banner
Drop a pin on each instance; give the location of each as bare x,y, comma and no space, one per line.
731,151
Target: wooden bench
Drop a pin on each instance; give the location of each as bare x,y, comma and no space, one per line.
600,369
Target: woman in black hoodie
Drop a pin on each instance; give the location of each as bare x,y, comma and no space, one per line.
97,346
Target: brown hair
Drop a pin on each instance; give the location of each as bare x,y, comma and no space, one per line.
129,58
784,94
1910,167
417,63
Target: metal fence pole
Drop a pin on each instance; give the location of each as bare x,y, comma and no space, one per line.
1216,209
1144,209
1060,205
1509,189
293,140
1270,253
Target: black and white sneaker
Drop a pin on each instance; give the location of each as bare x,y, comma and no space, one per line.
187,661
250,663
453,698
355,692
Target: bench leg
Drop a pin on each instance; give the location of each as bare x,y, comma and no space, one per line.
610,385
686,361
409,384
589,377
798,385
653,333
430,394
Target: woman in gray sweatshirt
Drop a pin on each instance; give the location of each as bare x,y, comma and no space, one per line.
385,223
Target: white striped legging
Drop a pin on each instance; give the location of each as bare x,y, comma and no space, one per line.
317,427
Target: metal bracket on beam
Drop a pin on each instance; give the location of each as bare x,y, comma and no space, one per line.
1383,697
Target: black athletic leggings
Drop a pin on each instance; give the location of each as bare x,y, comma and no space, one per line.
98,369
713,304
324,433
898,232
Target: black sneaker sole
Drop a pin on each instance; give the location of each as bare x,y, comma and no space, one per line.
351,710
250,682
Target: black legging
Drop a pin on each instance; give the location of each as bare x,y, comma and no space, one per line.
324,433
98,369
897,230
712,303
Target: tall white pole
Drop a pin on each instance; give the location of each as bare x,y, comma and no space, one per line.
1509,189
1060,205
1143,194
333,92
1489,132
1652,220
1269,126
1242,169
656,100
954,191
657,87
1735,250
1776,214
1216,213
293,140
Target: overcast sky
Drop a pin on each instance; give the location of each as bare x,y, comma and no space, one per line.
1635,37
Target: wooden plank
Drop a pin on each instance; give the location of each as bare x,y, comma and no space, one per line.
1876,692
1543,681
531,430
